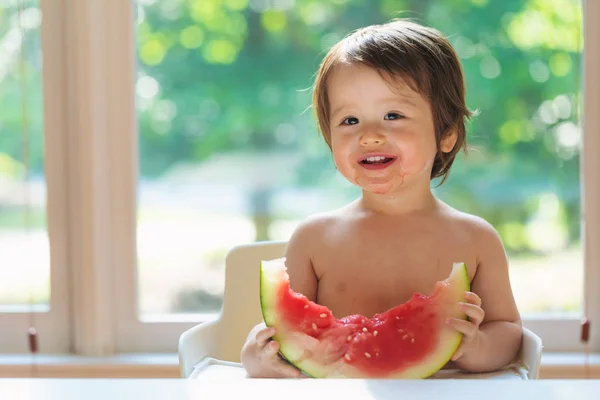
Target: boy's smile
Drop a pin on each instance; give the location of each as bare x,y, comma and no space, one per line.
375,161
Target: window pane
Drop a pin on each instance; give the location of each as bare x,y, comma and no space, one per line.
228,154
24,250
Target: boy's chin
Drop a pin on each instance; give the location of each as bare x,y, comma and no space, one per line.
379,189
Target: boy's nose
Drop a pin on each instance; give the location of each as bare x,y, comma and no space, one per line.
371,137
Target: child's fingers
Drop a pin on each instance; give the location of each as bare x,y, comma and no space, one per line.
282,367
271,348
288,370
474,312
467,328
264,335
473,298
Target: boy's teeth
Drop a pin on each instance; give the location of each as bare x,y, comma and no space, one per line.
374,159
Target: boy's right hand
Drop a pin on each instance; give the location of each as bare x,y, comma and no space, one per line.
260,356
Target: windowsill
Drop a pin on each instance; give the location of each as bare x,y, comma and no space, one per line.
570,365
68,365
554,365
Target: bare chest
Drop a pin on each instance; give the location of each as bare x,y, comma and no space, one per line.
367,273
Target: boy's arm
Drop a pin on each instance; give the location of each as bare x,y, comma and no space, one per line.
501,329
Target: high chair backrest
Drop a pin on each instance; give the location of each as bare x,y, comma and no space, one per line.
531,353
241,302
222,339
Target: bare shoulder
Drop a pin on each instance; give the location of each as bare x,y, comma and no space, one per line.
481,234
314,228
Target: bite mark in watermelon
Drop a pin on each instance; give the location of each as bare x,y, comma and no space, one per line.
409,341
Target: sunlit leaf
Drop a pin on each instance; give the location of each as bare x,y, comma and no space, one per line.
560,64
152,52
203,10
191,37
220,52
273,20
514,131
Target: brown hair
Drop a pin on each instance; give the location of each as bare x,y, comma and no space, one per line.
419,55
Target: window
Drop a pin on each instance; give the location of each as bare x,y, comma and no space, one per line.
161,119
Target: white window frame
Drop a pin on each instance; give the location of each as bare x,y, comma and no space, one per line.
91,166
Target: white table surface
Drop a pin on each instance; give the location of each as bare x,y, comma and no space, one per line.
173,389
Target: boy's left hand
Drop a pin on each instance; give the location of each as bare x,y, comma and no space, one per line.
470,327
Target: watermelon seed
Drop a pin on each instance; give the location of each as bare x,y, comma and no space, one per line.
306,307
367,355
347,356
323,315
349,338
412,340
397,317
403,337
375,333
365,330
376,354
314,326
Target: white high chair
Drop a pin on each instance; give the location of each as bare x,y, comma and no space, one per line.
219,342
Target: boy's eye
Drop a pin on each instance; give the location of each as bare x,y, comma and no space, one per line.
350,121
392,116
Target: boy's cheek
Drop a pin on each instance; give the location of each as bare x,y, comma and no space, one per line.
416,158
341,155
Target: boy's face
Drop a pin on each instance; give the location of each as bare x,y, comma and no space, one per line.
382,136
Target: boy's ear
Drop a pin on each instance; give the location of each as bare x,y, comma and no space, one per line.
448,141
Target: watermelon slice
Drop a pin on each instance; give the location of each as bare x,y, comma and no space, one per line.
409,341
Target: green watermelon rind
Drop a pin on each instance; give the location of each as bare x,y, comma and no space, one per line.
268,294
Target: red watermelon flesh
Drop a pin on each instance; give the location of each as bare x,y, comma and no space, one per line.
410,340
